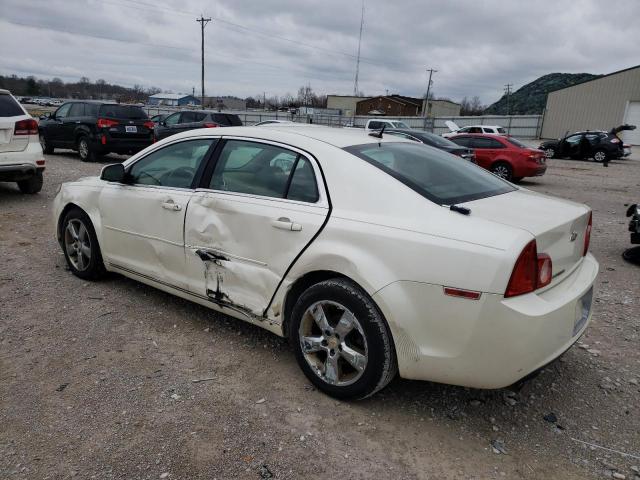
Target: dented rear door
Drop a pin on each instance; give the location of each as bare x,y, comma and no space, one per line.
240,239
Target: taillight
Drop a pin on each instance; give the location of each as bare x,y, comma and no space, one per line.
587,234
149,125
210,125
531,271
106,123
26,127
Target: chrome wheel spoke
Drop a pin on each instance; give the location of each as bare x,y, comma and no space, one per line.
320,317
82,232
85,250
355,359
72,231
71,251
312,344
345,324
80,260
331,369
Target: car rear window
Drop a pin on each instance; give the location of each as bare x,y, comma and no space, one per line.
122,111
516,142
9,107
432,173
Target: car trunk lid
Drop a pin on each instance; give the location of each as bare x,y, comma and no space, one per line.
559,226
10,113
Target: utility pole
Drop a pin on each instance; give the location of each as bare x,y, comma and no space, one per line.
264,101
355,83
427,108
507,91
203,23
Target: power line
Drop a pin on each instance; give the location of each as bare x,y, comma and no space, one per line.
203,23
355,83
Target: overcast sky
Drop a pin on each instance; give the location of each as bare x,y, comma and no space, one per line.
275,46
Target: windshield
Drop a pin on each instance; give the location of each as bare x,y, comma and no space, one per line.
123,111
437,140
516,142
434,174
399,125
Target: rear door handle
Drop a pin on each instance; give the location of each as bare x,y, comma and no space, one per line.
284,223
171,205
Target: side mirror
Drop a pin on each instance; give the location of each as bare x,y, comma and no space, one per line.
113,173
46,116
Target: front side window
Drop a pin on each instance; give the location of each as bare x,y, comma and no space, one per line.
173,166
77,110
265,170
375,125
434,174
172,119
63,111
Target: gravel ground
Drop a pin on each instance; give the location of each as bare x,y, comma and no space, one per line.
97,379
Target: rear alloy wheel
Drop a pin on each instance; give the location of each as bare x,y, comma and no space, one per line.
46,148
84,150
80,245
341,341
549,152
32,185
502,170
600,156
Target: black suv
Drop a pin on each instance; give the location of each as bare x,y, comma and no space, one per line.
96,128
191,119
597,144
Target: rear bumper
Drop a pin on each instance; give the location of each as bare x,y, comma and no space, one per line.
120,145
492,342
18,172
535,170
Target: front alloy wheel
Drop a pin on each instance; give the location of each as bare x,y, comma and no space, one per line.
77,244
549,153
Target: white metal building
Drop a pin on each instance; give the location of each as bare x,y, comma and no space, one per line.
599,104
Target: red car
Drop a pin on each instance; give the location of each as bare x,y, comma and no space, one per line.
506,157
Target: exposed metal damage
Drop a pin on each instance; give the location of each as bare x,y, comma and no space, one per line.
214,271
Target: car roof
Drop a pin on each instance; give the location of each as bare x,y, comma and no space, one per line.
338,137
5,92
480,126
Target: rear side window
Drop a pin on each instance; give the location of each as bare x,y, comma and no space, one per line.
9,107
484,142
501,130
303,185
233,120
375,125
91,109
127,112
434,174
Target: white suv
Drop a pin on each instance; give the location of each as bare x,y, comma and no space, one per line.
21,158
456,130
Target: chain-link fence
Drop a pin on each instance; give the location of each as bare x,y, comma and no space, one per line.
523,126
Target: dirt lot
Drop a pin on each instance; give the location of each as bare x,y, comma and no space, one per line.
97,379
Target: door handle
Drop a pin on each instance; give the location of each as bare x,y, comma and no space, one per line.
171,205
284,223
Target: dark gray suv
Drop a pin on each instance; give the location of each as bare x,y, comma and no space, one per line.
191,119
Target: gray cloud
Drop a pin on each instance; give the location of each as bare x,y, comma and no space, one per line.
476,46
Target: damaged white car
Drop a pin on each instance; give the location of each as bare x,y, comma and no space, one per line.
373,255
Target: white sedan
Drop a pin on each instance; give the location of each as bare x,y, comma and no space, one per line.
373,255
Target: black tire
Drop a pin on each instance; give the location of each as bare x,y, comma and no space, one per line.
600,156
516,179
32,185
381,365
502,170
46,146
94,266
85,151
